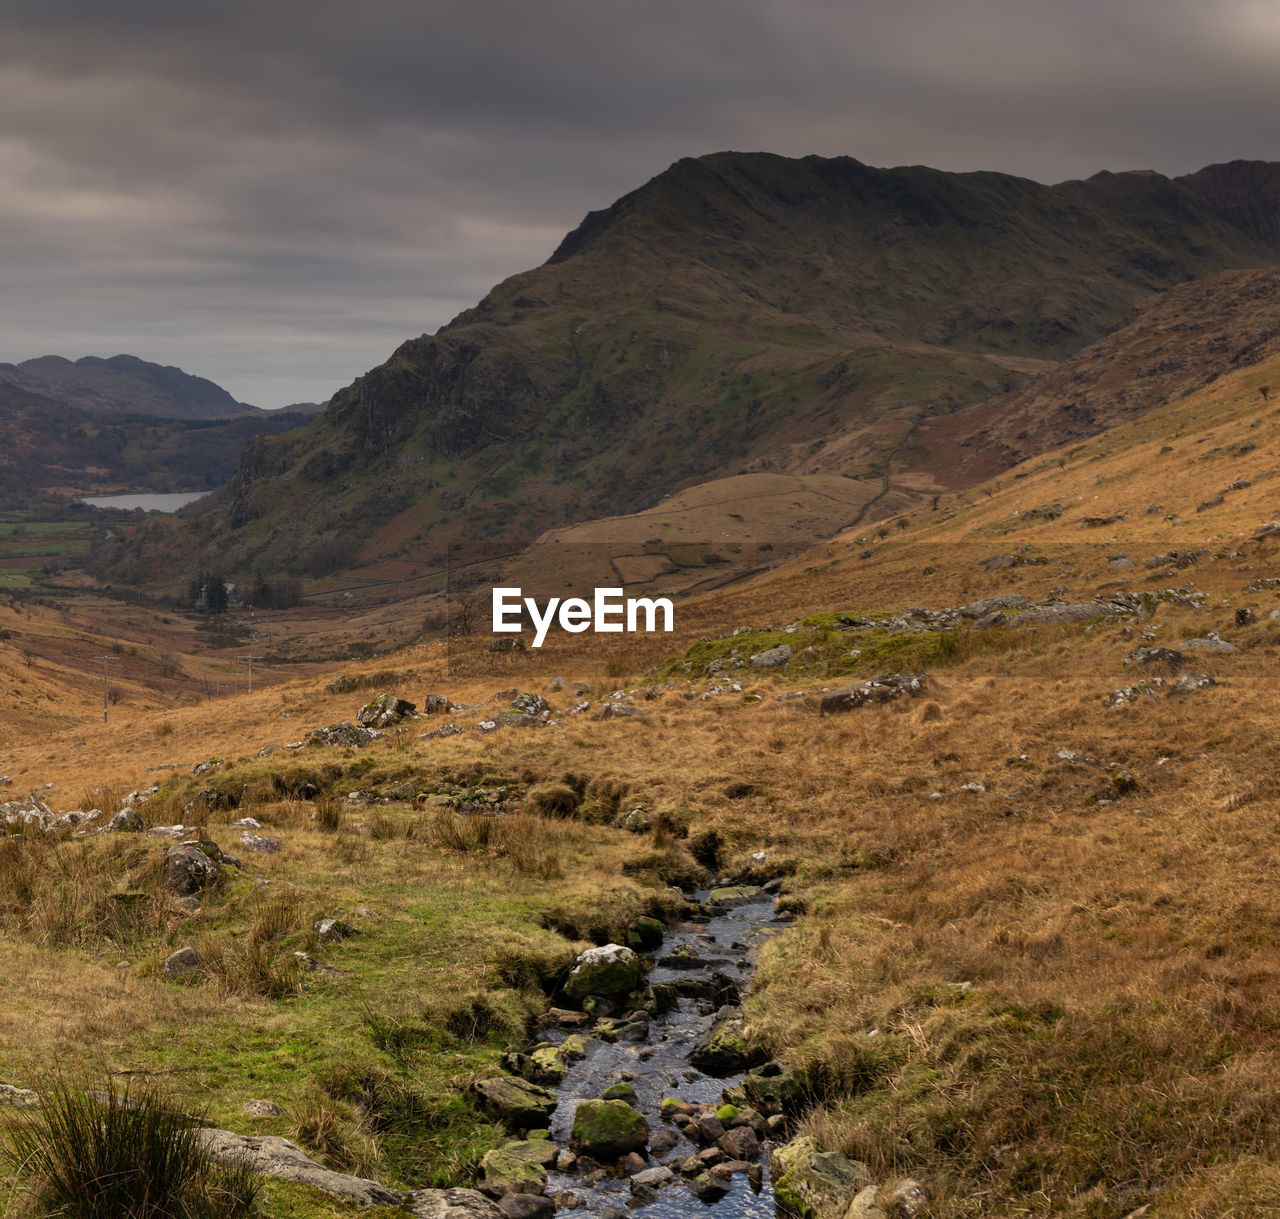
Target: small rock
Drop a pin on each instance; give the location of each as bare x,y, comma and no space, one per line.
183,962
333,929
772,658
527,1206
261,1108
261,844
1189,683
707,1187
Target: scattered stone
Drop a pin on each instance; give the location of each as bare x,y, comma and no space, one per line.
1189,683
18,1098
261,1108
707,1187
126,821
437,704
385,711
261,844
615,710
346,734
450,729
314,964
772,658
333,929
740,1143
878,690
1210,643
1170,657
663,1141
188,870
510,644
183,962
606,1129
526,1206
1132,694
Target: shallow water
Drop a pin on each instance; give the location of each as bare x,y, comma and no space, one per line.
658,1068
168,501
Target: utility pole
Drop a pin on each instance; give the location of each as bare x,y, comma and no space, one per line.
249,660
106,660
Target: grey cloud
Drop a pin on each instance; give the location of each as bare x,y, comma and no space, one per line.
276,195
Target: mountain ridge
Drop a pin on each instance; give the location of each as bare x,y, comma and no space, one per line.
737,313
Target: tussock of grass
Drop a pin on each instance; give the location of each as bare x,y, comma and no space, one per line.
127,1154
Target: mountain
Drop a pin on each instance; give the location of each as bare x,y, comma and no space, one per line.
123,385
739,313
47,447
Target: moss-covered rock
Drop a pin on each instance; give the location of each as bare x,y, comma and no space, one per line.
813,1184
773,1088
549,1064
517,1103
736,895
620,1091
505,1171
606,1129
645,934
610,970
723,1049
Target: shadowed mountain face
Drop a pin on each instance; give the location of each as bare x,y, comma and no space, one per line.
123,385
739,313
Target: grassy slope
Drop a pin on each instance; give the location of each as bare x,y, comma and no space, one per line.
1117,1042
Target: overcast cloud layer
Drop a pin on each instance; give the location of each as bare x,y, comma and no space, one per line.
276,194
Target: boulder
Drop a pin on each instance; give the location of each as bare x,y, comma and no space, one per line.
609,970
530,704
183,962
772,658
261,1108
504,1171
739,1143
189,871
1189,683
437,704
526,1206
260,843
607,1129
773,1089
451,1204
1169,657
1209,644
813,1184
126,821
276,1157
736,895
385,711
707,1187
516,1102
878,690
345,734
722,1050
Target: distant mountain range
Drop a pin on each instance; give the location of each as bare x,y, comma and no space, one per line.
124,385
120,424
740,313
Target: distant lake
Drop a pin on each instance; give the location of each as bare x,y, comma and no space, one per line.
169,502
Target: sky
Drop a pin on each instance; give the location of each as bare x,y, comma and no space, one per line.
276,194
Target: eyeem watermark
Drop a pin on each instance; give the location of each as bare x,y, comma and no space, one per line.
608,611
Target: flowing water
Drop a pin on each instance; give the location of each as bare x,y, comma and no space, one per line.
658,1067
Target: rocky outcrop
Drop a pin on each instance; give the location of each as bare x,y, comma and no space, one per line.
277,1157
878,690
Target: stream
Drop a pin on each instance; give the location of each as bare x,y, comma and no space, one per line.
725,945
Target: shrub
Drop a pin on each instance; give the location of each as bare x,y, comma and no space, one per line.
104,1156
